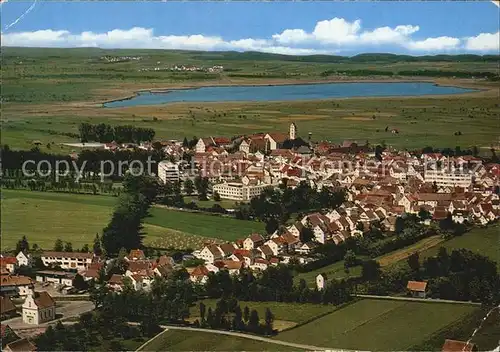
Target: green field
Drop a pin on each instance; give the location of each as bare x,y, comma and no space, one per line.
205,225
484,241
378,325
43,217
177,340
47,93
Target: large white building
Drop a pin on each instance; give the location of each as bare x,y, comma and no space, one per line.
239,191
168,171
451,178
67,260
38,308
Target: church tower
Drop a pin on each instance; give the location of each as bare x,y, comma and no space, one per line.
292,133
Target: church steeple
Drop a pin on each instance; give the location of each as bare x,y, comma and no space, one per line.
292,132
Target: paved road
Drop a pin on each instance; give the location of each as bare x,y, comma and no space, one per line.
412,299
246,336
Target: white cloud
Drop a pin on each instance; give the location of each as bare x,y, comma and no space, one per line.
435,44
328,36
484,42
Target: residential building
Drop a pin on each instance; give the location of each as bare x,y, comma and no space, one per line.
38,308
458,346
7,308
8,264
444,177
211,253
56,277
24,259
253,241
168,171
21,345
7,335
321,281
67,260
238,191
15,285
417,288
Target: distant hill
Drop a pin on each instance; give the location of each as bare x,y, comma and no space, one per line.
246,56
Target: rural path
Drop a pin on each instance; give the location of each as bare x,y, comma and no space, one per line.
412,299
242,335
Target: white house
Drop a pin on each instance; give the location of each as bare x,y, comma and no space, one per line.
67,260
24,259
38,308
321,281
210,253
253,241
56,277
168,171
259,264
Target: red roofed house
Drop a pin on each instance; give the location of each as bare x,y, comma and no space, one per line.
417,288
22,345
8,263
276,140
253,241
7,335
135,254
199,274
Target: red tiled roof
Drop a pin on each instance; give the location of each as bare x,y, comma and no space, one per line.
458,346
419,286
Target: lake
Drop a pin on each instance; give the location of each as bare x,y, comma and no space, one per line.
288,92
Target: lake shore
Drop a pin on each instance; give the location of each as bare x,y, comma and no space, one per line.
468,84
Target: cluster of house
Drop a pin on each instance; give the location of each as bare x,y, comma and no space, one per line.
182,68
120,58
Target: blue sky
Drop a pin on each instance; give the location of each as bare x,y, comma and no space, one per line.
286,27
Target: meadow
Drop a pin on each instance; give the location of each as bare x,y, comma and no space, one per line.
484,241
178,340
44,216
378,325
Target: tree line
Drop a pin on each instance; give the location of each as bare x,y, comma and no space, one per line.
125,227
228,315
105,133
462,275
275,284
88,165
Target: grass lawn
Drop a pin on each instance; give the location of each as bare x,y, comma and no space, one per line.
225,203
214,226
285,314
485,241
178,340
45,216
378,325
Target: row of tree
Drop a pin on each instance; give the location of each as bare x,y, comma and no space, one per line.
228,315
462,275
125,228
105,133
275,284
89,165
